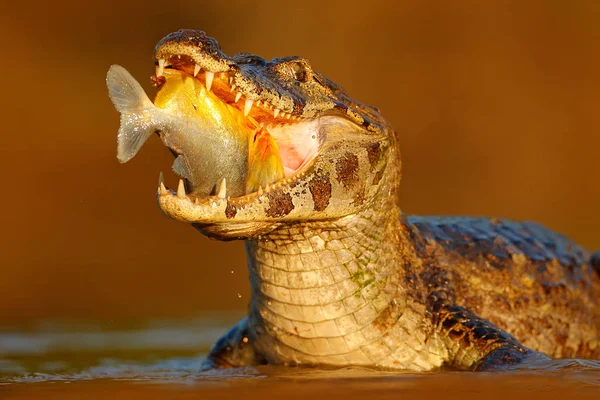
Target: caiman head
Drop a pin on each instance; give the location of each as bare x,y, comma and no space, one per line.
338,155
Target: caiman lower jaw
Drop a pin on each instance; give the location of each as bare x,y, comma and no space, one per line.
223,209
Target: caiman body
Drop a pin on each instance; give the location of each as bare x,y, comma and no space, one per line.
340,276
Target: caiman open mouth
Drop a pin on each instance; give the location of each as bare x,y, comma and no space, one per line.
298,139
256,142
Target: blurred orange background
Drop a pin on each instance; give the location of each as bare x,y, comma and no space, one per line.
496,104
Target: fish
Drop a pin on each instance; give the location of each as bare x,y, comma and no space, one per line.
209,137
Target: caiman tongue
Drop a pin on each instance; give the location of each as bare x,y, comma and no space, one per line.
215,141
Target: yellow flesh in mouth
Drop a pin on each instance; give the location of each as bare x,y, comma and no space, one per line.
187,96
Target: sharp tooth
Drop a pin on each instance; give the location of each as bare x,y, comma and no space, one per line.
196,69
282,115
222,189
209,78
232,88
161,178
181,190
163,189
288,116
237,96
276,112
248,106
197,201
260,190
161,67
258,103
230,80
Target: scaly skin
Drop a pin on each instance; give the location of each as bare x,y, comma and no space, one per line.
340,276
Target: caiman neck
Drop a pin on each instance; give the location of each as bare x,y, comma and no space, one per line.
322,291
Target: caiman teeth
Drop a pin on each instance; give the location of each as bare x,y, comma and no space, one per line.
248,106
260,190
161,184
276,112
222,189
209,79
238,96
196,70
161,68
162,189
181,190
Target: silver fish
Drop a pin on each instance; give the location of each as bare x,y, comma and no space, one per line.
208,150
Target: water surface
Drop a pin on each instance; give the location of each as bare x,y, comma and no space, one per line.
163,361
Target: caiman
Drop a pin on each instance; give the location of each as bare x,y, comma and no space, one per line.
339,274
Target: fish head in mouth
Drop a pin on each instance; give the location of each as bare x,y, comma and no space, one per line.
258,143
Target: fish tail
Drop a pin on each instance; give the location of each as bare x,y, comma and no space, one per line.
132,102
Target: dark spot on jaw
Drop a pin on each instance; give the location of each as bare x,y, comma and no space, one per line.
320,188
347,169
230,211
373,153
280,204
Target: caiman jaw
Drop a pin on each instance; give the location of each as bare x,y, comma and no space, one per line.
223,84
221,207
334,150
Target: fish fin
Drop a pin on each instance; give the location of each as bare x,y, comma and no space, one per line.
132,102
180,167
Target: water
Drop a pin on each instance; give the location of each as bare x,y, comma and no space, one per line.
163,361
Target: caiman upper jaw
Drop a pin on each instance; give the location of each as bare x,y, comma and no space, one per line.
230,88
284,87
333,149
226,88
